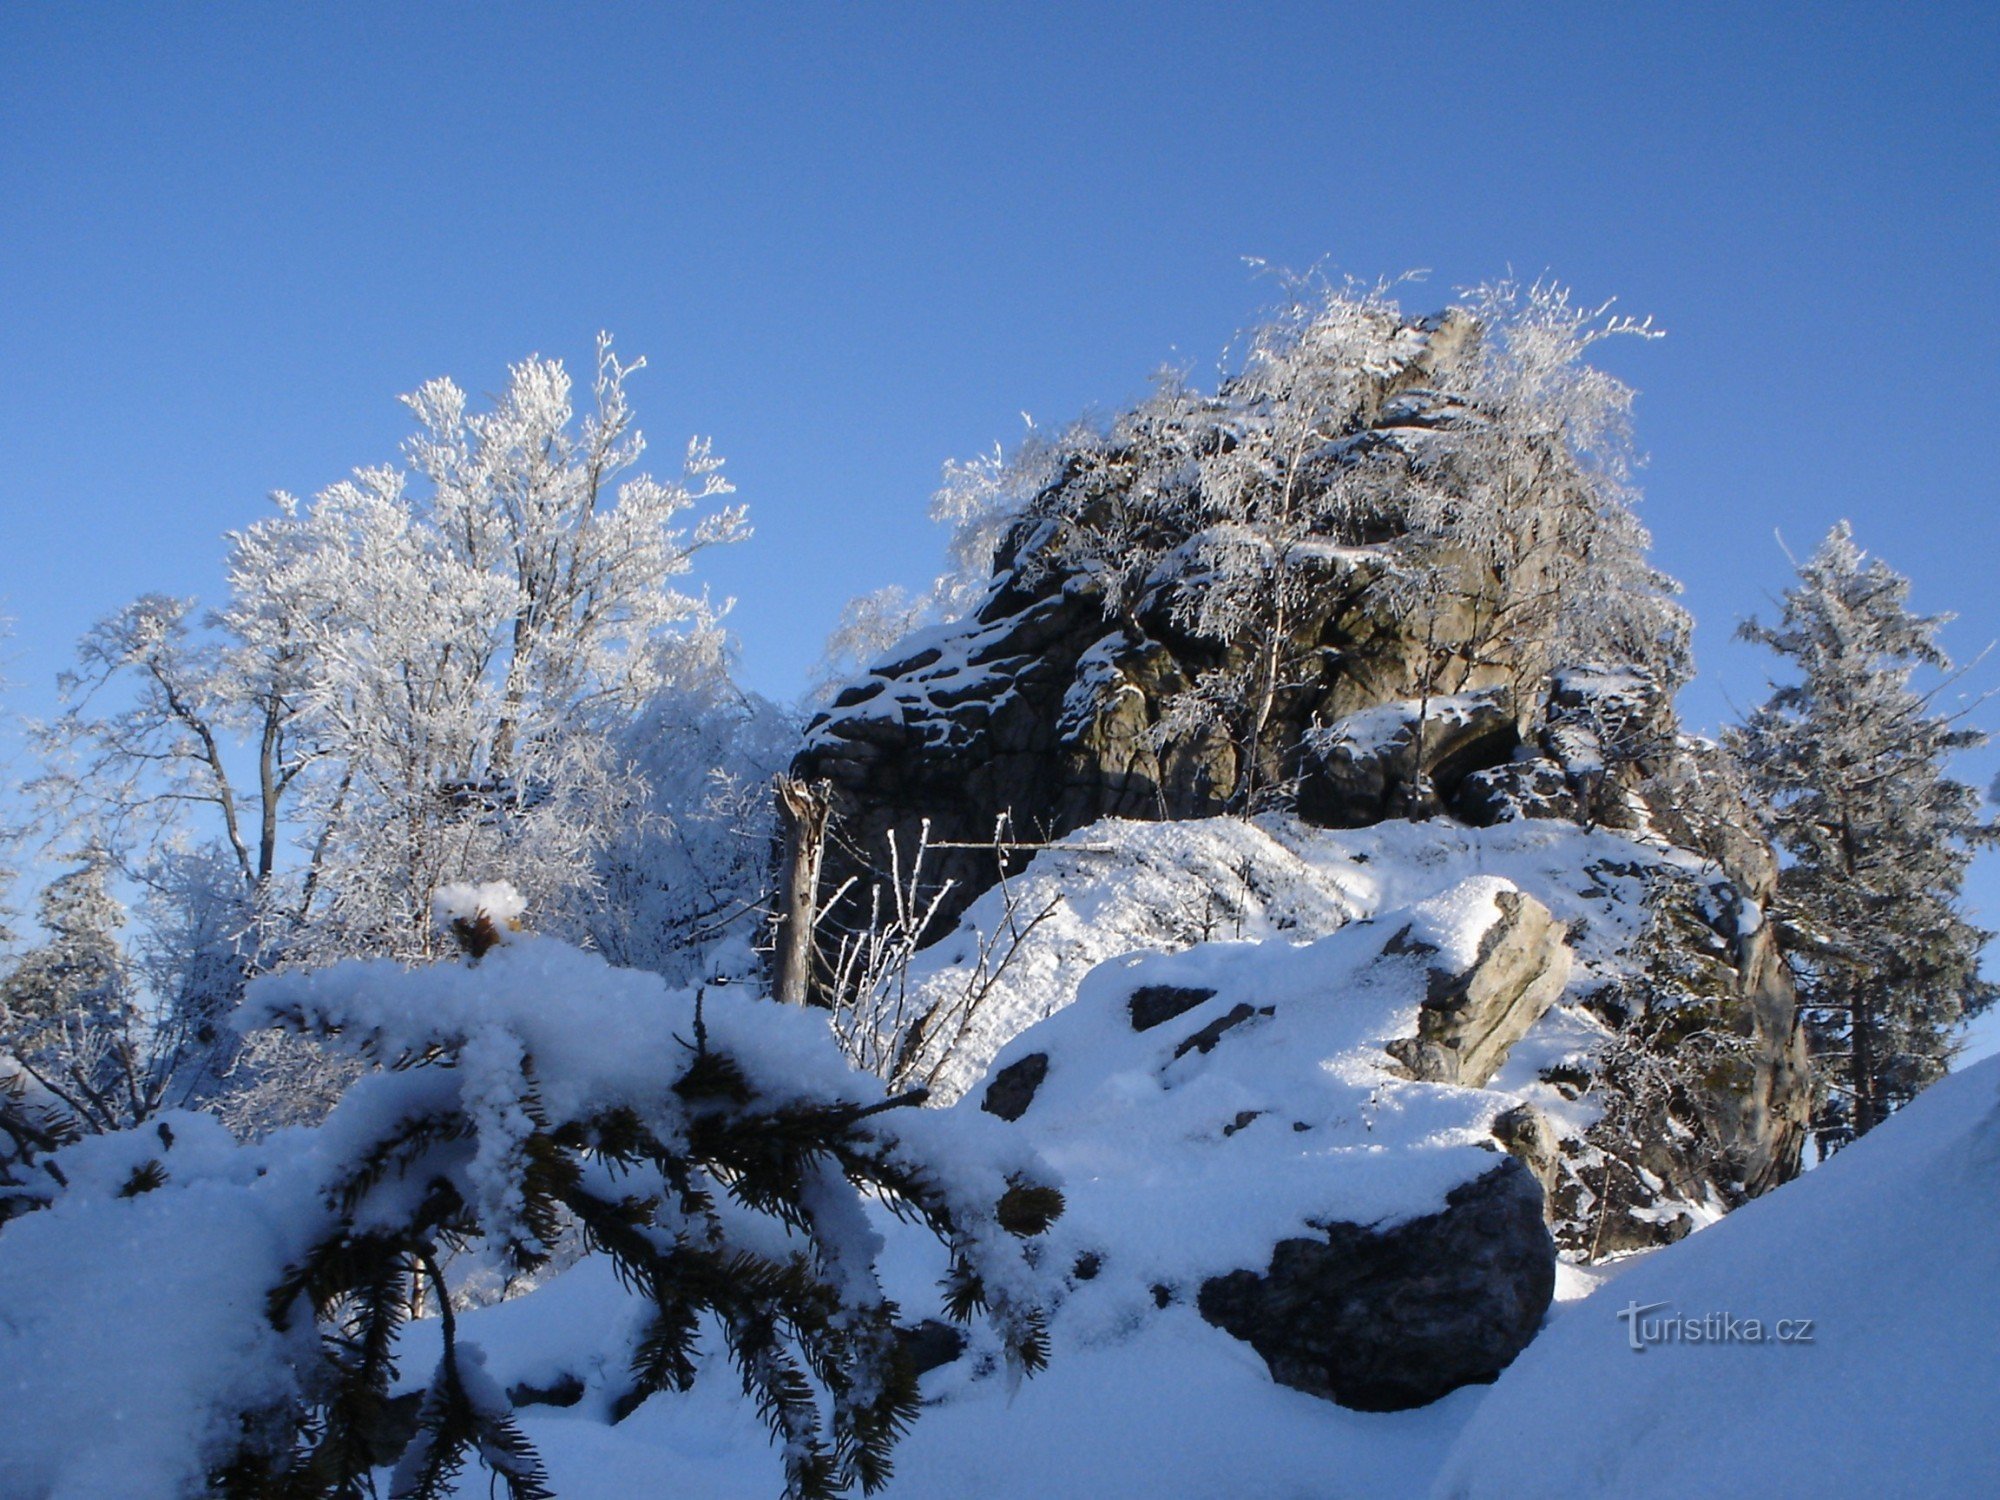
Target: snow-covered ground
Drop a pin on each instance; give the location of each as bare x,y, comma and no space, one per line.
1890,1250
1180,1161
1123,887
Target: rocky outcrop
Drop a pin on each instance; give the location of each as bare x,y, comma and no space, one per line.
1602,736
1035,718
1042,714
1470,1021
1039,714
1384,1319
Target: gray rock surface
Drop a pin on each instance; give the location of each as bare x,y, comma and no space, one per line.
1384,1319
1470,1021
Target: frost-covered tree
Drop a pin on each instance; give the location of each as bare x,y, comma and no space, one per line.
1529,477
1478,457
70,1020
425,671
682,884
1284,476
1849,767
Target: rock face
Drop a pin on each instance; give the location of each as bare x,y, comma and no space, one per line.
1603,735
1034,718
1042,714
1381,1320
1037,715
1469,1022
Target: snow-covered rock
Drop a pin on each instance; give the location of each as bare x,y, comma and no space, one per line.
1233,1131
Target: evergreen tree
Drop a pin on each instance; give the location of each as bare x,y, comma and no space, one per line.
713,1147
69,1016
1848,766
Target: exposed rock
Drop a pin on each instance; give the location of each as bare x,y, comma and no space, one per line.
1381,1320
1041,714
565,1390
1402,757
1205,1039
1525,1134
930,1345
1535,787
1037,714
1156,1004
1013,1087
1470,1021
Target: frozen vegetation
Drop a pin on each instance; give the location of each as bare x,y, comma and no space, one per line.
1244,988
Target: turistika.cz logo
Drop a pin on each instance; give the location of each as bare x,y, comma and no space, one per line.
1642,1331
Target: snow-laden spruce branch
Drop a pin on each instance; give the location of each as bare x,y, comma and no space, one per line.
711,1144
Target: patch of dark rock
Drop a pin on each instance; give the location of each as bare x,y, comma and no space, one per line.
1204,1040
928,657
1383,1320
1013,1087
1156,1004
861,692
564,1390
1521,789
1243,1118
1403,943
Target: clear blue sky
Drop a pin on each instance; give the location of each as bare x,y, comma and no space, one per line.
857,240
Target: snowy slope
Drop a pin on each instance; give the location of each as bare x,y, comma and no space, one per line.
1178,1164
1121,887
1892,1250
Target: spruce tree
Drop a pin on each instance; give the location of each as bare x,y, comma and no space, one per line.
1848,765
67,1011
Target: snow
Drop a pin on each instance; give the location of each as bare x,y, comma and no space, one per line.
1182,1163
931,671
1119,887
1889,1248
139,1320
497,900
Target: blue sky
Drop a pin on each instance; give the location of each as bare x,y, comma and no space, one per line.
857,240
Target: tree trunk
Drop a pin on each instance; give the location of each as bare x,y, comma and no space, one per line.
803,810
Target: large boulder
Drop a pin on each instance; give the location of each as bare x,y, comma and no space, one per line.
1403,757
1383,1319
